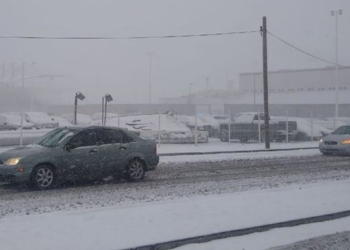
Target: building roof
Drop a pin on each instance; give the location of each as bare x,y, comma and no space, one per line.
295,70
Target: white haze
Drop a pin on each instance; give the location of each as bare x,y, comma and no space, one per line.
121,67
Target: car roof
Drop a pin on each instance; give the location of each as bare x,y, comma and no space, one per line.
82,127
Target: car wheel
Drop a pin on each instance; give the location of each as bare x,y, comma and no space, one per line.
224,135
135,171
43,177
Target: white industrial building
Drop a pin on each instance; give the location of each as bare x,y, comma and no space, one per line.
282,81
304,93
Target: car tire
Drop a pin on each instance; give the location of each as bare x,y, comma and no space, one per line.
223,135
43,177
135,171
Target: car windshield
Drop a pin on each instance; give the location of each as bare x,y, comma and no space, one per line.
344,130
54,138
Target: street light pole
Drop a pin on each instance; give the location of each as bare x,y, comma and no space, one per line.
336,115
107,98
75,109
81,97
150,54
189,92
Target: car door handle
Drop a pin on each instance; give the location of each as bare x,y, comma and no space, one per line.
93,150
122,147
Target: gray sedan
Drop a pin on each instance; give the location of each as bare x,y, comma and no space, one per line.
84,153
336,142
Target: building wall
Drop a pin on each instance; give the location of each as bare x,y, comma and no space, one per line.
295,110
322,79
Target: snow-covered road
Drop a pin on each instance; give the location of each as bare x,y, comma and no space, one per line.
125,226
176,179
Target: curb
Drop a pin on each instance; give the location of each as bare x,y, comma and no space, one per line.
235,152
241,232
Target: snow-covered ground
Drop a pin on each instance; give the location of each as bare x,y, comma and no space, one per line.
217,145
119,227
214,145
286,236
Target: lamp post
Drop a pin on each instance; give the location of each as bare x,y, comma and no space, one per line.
336,115
189,92
81,97
107,98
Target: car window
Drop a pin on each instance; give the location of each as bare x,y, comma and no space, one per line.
83,139
109,136
54,138
344,130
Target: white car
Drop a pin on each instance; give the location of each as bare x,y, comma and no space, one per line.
61,121
40,120
13,122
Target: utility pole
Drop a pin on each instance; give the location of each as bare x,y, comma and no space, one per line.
207,83
3,72
150,80
254,94
22,108
263,30
150,54
336,14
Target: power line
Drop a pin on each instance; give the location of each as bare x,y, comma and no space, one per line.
126,38
300,50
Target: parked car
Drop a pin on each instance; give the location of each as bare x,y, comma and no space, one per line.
13,122
336,142
82,119
4,125
79,153
40,120
245,127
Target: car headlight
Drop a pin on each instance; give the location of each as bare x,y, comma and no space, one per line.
12,161
345,142
321,140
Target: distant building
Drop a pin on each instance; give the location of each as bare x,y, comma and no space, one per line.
304,93
320,79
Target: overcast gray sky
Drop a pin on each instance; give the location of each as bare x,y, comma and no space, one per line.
120,67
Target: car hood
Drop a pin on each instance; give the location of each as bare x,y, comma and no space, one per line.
23,151
335,137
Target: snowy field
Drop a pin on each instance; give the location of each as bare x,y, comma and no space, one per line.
119,227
